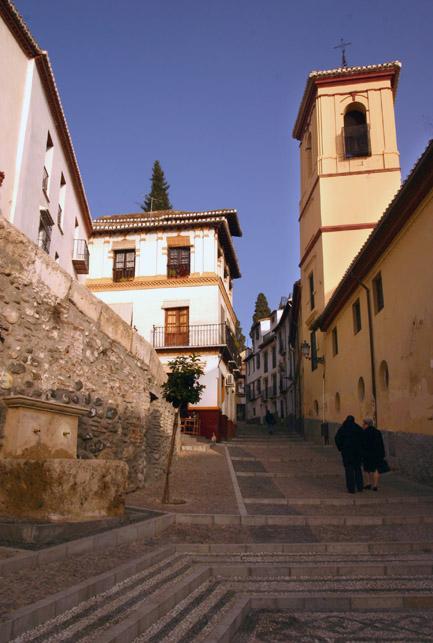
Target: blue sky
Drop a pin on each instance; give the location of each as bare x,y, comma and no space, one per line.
211,88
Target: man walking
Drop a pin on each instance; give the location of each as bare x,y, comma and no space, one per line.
349,442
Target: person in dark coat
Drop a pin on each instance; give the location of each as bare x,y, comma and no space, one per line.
373,453
349,442
270,421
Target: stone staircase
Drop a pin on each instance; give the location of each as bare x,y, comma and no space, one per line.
305,562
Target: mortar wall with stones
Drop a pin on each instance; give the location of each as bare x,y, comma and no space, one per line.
60,342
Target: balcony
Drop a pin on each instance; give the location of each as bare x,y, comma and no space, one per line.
177,271
80,257
356,141
196,336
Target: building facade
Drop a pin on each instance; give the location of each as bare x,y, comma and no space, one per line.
269,367
365,338
42,192
170,275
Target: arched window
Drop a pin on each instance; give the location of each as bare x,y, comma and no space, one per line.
384,376
356,135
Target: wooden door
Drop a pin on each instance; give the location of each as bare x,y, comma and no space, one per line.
177,326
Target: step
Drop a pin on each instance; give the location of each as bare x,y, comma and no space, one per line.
301,520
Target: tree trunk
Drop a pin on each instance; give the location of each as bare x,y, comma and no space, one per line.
166,494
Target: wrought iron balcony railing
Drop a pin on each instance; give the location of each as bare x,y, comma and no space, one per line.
80,256
196,336
177,270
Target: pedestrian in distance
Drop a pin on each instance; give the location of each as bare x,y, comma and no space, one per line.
348,440
270,421
373,456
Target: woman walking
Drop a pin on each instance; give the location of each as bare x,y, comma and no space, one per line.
373,453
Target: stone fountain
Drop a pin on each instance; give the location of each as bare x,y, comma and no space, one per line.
40,475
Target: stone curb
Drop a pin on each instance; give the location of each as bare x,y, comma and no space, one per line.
308,548
340,501
315,570
226,629
267,474
149,611
300,521
238,495
342,602
31,616
110,538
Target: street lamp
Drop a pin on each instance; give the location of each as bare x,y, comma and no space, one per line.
306,352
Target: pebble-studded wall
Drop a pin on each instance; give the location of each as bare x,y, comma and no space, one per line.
59,342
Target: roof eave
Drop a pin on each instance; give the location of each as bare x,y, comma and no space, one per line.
315,79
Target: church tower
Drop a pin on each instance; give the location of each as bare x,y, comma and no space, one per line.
350,171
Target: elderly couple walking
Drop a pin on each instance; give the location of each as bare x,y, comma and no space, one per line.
361,446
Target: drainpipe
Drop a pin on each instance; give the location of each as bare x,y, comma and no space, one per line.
371,339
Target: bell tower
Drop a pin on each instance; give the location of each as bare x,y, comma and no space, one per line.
350,170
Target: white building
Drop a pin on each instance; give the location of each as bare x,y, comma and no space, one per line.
270,378
170,274
42,192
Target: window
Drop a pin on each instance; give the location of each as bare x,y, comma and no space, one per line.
61,207
316,407
337,402
177,326
124,265
274,384
45,228
259,386
356,310
361,389
334,342
274,356
313,343
384,376
265,388
265,361
356,135
258,360
178,264
48,163
378,293
311,289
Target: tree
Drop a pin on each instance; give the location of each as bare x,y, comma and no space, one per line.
181,388
157,199
239,337
262,309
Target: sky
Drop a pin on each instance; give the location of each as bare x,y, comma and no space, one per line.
211,89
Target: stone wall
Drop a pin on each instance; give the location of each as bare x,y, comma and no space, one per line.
60,342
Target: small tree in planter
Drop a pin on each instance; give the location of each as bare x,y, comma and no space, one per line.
181,388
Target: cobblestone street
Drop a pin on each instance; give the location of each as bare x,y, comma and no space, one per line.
293,557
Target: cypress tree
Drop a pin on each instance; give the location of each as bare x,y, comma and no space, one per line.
239,337
158,198
262,309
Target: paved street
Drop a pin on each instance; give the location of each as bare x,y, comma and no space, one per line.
294,558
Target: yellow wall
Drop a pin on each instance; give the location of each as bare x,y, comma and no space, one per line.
337,191
403,338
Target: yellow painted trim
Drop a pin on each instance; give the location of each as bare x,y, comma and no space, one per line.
157,281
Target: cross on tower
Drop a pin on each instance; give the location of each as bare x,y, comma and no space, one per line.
343,46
